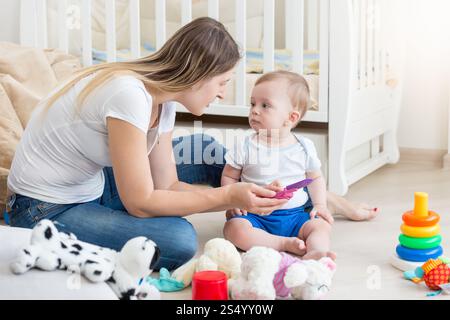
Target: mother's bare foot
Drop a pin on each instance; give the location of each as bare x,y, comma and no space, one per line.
352,210
294,245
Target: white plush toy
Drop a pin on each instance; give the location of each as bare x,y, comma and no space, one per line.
50,250
219,254
267,274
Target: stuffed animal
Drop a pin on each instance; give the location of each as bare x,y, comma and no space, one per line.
219,254
50,250
133,264
435,273
267,274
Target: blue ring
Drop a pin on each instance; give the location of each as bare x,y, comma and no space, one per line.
418,255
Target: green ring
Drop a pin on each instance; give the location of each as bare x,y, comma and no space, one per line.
420,243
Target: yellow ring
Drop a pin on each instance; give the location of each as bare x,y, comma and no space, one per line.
420,232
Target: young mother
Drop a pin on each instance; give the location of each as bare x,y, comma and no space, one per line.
97,155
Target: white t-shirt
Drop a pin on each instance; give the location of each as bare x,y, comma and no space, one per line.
262,165
61,154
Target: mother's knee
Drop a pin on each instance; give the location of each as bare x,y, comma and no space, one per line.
186,238
180,247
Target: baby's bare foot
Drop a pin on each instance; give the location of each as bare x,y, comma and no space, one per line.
294,245
316,255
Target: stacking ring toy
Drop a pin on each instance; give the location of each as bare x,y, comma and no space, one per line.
412,220
420,243
420,232
418,255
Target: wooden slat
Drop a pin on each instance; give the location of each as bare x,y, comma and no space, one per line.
357,39
383,6
41,13
363,42
186,11
111,55
377,43
241,38
160,9
86,26
135,29
323,50
269,35
313,26
63,41
213,9
294,14
369,42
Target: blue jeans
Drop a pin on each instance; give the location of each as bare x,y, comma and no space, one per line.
105,221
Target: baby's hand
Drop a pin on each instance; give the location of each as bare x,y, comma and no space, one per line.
322,211
235,212
275,186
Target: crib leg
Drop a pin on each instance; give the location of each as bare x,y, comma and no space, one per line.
391,145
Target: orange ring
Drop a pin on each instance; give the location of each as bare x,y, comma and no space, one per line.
411,220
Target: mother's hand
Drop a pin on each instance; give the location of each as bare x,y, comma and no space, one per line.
253,198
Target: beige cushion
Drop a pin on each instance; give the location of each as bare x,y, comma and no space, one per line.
26,76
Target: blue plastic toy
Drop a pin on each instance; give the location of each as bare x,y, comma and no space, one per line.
418,255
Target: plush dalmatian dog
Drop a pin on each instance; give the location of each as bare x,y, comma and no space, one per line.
134,262
50,250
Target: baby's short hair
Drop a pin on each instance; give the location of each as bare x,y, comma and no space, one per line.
298,88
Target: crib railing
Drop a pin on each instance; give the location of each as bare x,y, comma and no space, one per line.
299,15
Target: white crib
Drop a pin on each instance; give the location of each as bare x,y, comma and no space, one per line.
355,99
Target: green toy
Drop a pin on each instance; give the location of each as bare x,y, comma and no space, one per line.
165,283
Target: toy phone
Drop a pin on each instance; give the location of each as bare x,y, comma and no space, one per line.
288,192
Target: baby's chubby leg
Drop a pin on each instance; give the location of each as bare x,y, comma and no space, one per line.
316,233
244,236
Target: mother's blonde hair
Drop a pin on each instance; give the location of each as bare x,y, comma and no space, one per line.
199,50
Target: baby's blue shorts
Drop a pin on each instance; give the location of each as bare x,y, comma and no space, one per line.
285,222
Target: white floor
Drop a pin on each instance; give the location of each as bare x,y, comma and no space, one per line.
364,248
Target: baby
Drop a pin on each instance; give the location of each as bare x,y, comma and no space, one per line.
273,155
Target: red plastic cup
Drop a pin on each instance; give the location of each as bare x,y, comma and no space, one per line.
209,285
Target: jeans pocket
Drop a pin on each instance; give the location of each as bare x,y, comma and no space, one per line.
46,210
20,213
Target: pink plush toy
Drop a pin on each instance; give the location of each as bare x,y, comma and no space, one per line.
267,274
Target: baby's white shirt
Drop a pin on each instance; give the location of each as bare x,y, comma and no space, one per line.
262,165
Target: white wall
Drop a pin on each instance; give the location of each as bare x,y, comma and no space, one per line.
424,115
9,17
